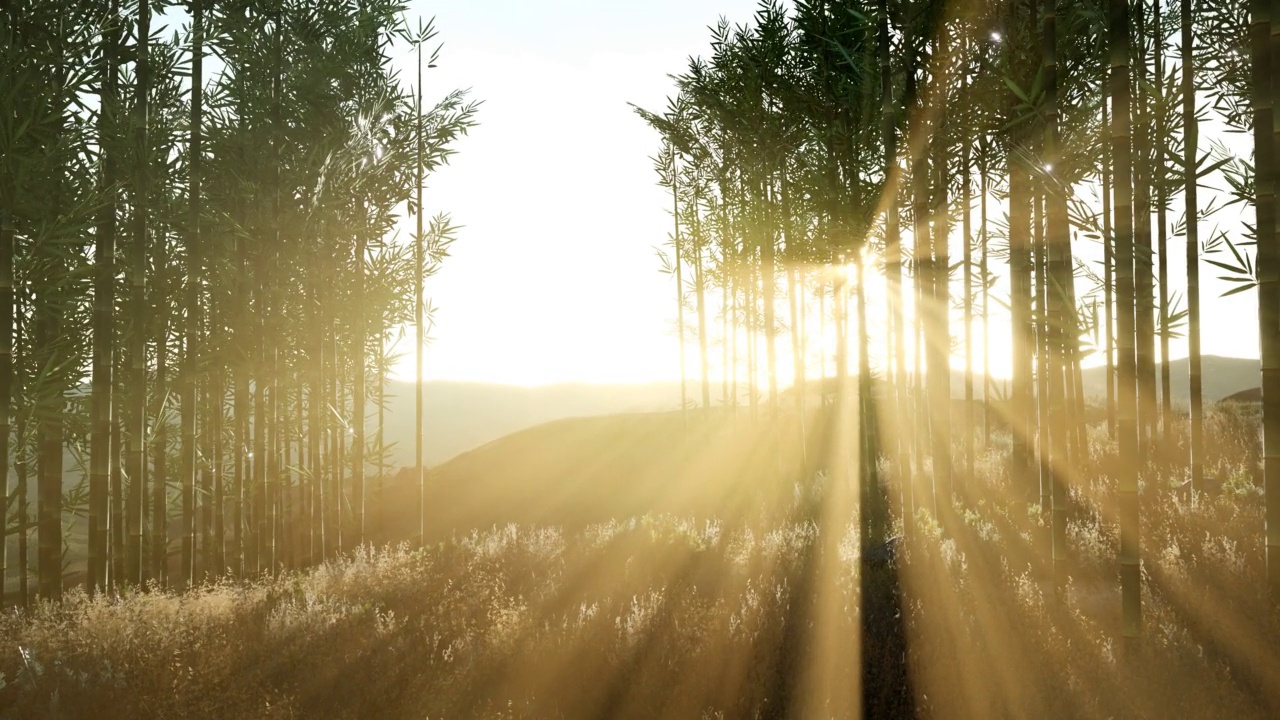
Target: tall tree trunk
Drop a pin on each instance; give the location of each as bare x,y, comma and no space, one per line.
1058,245
1081,425
160,445
193,319
1020,292
797,359
822,334
768,280
49,431
679,261
103,313
288,529
1264,58
1161,175
300,517
117,579
1190,138
276,487
420,339
1108,283
7,237
922,258
735,287
6,379
795,301
357,386
317,407
213,498
256,547
24,534
751,316
938,328
240,413
985,273
198,531
23,490
379,517
873,518
137,418
340,502
938,311
802,386
736,362
1143,256
893,238
726,300
1126,406
1042,361
700,288
336,435
1022,330
967,259
50,354
920,397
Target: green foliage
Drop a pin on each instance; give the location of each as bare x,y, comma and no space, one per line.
310,143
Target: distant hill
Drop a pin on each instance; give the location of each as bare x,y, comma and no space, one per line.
1223,376
502,453
461,416
1252,395
578,471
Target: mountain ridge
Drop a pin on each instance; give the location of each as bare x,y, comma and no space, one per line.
464,415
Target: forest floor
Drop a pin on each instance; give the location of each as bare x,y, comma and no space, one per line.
627,572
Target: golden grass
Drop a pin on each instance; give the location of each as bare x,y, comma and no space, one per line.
685,616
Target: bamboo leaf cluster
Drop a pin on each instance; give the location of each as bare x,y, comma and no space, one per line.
826,138
199,275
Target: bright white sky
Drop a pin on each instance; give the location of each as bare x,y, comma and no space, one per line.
554,276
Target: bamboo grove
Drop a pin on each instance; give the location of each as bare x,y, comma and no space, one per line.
199,278
1022,159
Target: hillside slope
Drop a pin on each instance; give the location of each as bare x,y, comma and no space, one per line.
579,471
462,416
1223,376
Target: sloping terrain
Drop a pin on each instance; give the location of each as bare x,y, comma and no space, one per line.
462,416
1223,376
579,471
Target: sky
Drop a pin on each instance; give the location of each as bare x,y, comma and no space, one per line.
554,276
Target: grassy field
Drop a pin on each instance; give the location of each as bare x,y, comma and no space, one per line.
754,611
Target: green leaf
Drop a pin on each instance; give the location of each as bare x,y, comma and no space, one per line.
1017,91
1239,289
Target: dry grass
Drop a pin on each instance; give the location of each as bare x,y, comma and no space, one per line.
667,616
